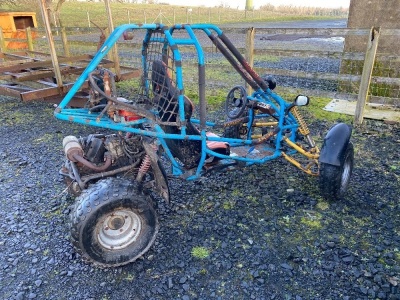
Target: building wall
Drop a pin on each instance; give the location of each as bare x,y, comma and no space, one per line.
379,13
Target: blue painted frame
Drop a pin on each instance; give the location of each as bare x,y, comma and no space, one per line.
287,123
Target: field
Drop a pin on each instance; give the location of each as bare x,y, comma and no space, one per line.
79,14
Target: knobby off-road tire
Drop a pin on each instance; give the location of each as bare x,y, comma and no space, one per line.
334,180
113,223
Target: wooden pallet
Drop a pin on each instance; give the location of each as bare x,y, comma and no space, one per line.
30,75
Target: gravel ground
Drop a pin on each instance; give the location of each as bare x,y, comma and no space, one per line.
268,233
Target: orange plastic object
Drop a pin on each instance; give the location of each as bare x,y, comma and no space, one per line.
128,115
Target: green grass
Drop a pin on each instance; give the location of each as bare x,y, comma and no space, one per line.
200,252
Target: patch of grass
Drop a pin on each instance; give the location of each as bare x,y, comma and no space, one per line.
45,138
129,277
228,205
200,252
312,220
323,205
203,272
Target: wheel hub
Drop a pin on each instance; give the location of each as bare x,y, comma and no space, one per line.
119,229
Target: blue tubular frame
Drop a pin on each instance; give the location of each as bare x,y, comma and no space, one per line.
286,121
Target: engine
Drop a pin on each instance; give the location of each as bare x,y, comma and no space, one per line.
97,156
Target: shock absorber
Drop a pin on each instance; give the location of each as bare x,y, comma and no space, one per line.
303,128
144,167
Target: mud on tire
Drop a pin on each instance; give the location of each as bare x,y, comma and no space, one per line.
113,223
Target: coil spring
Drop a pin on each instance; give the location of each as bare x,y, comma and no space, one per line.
145,165
303,128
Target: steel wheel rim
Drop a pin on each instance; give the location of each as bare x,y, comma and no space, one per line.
119,229
345,174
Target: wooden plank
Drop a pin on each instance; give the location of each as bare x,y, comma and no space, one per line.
36,75
366,74
12,90
48,92
298,53
314,31
129,73
13,62
45,63
372,110
310,75
6,77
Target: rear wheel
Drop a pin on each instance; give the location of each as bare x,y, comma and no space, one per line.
113,223
334,180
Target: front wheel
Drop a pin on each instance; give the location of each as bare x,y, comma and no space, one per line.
113,223
334,180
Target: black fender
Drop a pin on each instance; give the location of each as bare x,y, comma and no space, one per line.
335,144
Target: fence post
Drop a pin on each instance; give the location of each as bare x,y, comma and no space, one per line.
107,33
65,42
88,18
52,48
115,48
2,41
250,52
28,32
369,60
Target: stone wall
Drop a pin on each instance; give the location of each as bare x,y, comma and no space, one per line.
378,13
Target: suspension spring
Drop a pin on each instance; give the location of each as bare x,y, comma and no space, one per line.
144,167
303,128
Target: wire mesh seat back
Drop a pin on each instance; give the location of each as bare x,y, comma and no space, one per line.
165,92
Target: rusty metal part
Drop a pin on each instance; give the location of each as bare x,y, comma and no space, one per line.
144,167
92,166
265,137
161,183
76,175
264,107
87,178
127,106
236,122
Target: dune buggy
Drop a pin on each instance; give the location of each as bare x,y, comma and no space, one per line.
116,175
